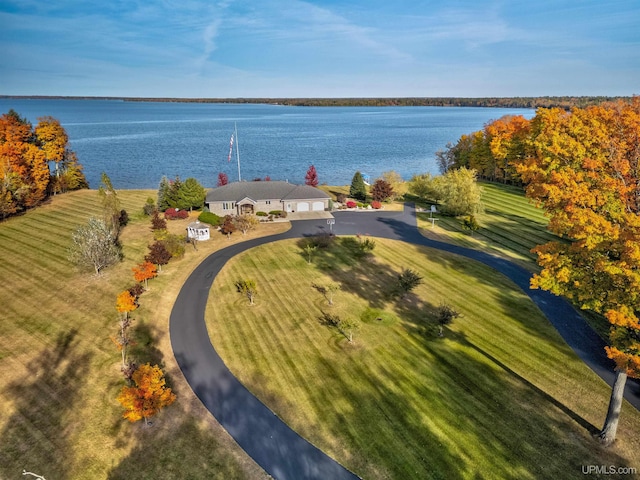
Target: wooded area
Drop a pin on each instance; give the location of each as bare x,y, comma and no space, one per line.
25,156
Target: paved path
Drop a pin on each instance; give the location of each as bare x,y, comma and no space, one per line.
269,441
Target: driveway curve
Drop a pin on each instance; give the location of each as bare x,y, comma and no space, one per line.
280,451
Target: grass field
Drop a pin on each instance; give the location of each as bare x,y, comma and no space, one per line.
510,226
500,396
60,371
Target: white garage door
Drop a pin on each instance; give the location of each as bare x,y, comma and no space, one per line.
303,207
318,206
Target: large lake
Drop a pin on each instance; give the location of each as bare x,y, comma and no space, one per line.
136,143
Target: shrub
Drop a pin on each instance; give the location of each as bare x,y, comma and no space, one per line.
321,240
407,281
351,204
158,223
136,290
175,245
149,207
210,218
361,205
375,204
228,227
470,223
174,214
123,218
341,197
262,214
278,213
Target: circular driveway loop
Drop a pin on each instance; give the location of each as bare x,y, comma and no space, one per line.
280,451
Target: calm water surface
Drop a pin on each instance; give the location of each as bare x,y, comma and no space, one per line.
136,143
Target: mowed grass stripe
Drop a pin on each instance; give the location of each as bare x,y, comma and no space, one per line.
516,232
279,329
511,198
41,266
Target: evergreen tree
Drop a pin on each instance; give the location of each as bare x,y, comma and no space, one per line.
358,189
173,196
163,194
191,194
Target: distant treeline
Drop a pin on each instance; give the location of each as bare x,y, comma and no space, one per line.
566,102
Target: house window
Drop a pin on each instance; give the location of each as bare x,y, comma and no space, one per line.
268,202
228,205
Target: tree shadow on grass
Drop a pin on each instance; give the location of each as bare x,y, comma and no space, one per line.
514,427
37,436
477,265
144,348
185,450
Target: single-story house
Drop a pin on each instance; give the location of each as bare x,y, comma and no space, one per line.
198,231
251,197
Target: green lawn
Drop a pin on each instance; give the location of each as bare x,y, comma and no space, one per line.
510,226
500,396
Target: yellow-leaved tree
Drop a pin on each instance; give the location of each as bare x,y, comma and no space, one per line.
148,395
585,172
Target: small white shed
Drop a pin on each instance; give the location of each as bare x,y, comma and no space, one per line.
198,231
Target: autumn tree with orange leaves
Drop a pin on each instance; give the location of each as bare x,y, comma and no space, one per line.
126,303
144,272
492,151
25,154
148,395
585,172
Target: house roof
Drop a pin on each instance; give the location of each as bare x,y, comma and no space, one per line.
271,190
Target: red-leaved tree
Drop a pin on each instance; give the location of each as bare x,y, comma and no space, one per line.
312,177
223,179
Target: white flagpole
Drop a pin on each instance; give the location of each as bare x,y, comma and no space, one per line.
237,150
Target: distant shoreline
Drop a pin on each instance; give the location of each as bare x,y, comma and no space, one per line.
492,102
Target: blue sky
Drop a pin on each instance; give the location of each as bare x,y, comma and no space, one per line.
339,48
